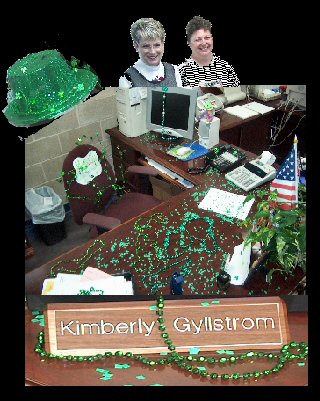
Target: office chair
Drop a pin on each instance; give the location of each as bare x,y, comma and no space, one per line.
96,203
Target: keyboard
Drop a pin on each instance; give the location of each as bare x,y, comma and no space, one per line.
170,173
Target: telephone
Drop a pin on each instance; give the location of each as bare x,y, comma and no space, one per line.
224,158
251,175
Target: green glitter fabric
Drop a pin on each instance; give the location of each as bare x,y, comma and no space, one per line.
43,86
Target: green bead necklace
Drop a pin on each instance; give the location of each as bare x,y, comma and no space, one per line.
185,362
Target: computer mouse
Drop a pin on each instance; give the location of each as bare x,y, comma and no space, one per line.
182,151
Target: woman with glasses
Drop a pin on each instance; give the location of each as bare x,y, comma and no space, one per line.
204,68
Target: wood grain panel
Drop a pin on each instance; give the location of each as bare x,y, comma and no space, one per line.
88,329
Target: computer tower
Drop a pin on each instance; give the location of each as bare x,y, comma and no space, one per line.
131,111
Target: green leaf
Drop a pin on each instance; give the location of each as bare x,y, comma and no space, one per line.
263,205
269,235
280,247
248,198
263,213
288,218
269,275
302,238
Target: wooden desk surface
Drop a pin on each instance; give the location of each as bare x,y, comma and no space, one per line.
152,146
50,372
208,237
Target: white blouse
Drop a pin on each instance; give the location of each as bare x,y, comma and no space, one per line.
150,72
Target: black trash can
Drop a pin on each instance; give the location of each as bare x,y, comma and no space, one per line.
48,214
52,233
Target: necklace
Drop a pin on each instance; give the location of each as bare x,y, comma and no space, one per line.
185,362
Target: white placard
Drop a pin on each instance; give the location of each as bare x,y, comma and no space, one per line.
87,168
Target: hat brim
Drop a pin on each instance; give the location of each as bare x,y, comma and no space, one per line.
87,81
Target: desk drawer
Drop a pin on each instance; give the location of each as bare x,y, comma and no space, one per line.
121,151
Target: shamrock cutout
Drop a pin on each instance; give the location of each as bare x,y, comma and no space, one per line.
39,319
106,374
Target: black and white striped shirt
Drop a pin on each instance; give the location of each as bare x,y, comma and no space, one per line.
218,73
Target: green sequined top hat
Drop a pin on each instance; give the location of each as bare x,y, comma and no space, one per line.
43,86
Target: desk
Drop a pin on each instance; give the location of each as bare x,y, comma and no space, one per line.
251,134
65,373
152,256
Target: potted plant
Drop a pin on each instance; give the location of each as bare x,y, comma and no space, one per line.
281,233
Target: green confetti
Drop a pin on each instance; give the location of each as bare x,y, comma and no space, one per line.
194,351
201,368
164,353
301,363
156,384
102,370
153,307
215,301
107,375
39,319
36,312
205,304
128,384
225,352
140,377
121,366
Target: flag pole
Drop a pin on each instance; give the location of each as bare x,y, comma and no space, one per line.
295,145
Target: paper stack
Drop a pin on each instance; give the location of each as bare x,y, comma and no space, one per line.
258,107
92,282
226,203
241,112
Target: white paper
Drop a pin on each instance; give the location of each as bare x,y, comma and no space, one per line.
241,112
267,158
73,284
47,200
238,266
226,203
258,107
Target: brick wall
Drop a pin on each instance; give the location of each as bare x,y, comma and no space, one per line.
46,150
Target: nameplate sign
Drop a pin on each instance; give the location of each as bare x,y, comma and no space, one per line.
207,324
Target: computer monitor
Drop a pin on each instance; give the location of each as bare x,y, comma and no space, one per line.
179,107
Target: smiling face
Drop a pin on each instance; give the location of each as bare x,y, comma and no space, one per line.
150,51
201,44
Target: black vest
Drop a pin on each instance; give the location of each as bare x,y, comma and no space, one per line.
137,79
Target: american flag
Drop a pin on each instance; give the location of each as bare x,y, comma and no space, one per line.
286,181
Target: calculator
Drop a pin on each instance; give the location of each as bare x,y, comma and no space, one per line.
251,175
225,158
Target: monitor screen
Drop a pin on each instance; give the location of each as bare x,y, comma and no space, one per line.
179,106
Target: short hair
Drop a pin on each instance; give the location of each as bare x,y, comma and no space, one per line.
147,28
195,24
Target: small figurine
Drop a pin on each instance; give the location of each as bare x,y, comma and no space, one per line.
208,114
